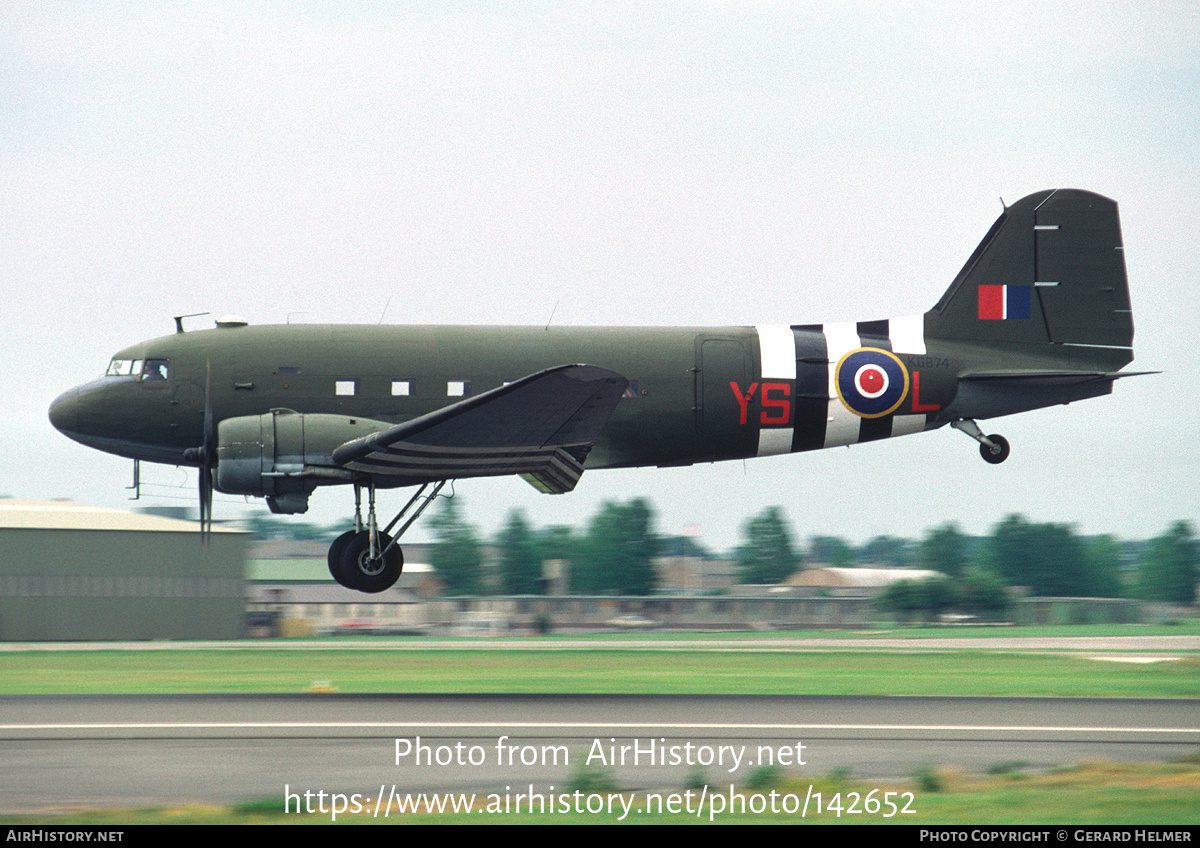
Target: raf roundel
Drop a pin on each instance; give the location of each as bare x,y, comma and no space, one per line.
871,382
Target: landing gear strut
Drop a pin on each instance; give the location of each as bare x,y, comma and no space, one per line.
993,448
367,559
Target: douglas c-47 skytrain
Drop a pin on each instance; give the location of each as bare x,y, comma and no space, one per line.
1039,315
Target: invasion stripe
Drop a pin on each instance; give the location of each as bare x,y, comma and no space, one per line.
842,425
808,354
773,441
875,334
908,334
777,361
776,352
903,425
812,388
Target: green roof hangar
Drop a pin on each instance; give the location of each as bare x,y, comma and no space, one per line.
71,572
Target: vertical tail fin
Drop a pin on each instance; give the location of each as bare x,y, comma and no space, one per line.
1048,279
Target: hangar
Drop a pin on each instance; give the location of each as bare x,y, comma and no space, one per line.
71,572
860,581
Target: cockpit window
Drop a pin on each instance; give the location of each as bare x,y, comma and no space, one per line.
147,369
155,369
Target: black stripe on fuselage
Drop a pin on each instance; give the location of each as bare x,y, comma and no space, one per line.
812,387
875,334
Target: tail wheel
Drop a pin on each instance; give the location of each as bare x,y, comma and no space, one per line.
358,570
997,452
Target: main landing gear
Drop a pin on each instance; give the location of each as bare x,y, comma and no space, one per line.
993,448
367,559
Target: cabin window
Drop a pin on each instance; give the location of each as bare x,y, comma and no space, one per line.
345,388
401,388
458,388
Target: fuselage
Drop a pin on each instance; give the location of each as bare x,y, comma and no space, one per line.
695,394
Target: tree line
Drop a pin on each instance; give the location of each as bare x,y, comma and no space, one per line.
617,549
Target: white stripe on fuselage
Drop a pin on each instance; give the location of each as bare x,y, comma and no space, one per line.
842,426
773,441
777,352
777,361
902,425
908,334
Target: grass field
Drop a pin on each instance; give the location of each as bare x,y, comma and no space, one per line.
643,663
591,671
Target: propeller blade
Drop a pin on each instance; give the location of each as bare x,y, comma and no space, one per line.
206,494
205,456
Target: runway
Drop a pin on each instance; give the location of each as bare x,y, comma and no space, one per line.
148,751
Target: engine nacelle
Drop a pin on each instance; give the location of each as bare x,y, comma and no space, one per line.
283,455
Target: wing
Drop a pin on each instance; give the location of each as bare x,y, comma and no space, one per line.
541,427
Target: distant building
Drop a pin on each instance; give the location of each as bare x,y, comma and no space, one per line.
72,572
694,575
857,582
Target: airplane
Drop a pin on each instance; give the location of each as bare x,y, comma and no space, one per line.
1039,315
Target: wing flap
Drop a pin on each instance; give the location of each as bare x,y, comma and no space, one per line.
541,427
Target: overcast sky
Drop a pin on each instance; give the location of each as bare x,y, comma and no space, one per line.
614,163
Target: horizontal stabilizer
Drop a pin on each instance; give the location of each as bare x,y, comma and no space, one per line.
995,393
1066,376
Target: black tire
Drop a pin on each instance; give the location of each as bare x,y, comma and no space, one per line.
358,571
335,554
997,454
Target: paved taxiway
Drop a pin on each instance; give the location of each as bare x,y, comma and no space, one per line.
105,751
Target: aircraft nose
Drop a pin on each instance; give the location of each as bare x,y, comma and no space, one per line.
106,416
68,411
64,412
